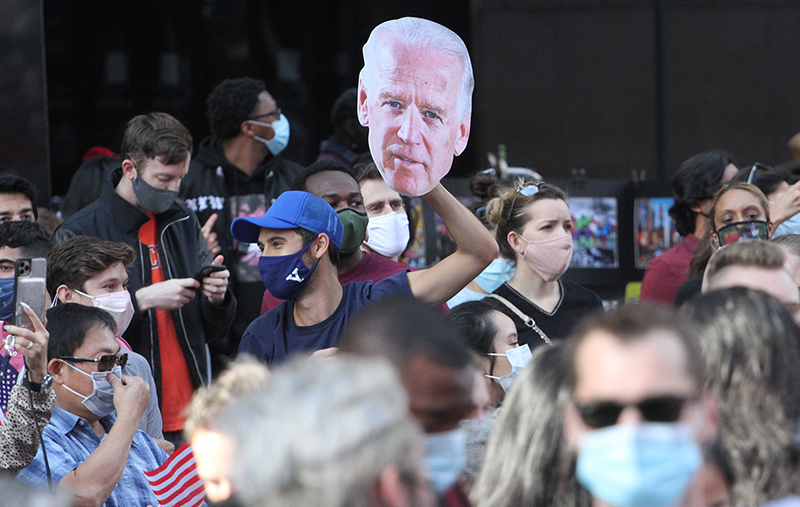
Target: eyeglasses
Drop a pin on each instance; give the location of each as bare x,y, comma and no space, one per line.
526,189
601,414
105,363
276,112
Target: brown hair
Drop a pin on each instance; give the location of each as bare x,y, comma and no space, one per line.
509,212
367,171
630,324
762,254
156,135
83,257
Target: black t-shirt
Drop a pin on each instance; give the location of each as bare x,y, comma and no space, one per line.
576,303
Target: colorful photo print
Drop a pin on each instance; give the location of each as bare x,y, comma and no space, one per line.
595,234
653,230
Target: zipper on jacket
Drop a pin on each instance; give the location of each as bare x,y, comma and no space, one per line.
180,313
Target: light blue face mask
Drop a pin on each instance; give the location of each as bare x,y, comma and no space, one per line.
790,226
643,465
281,138
496,274
444,458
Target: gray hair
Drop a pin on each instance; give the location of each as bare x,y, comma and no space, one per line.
751,349
320,433
528,461
423,35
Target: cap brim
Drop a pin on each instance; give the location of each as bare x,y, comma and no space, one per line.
247,229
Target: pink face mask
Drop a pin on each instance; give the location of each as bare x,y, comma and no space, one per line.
549,258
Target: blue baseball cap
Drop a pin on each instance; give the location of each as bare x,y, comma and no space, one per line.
292,209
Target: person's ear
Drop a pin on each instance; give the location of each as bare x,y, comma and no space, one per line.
463,135
390,489
573,427
714,240
56,370
323,243
514,241
250,129
770,229
708,431
65,294
363,110
129,169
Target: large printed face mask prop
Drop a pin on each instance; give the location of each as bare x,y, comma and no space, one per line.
415,102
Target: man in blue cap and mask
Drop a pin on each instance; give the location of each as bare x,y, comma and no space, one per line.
300,237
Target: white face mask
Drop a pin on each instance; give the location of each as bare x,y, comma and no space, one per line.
118,304
281,138
388,234
101,401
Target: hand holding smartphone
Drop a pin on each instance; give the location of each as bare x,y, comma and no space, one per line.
29,288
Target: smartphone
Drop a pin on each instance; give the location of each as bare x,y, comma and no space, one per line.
207,270
30,276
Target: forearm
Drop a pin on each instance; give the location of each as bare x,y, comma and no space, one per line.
19,440
471,237
94,480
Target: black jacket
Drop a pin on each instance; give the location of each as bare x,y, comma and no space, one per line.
212,180
183,251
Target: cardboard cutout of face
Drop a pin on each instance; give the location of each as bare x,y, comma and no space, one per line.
412,100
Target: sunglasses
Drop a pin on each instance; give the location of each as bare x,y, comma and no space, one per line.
526,189
601,414
105,363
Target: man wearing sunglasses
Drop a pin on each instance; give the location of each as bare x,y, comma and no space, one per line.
239,171
99,457
638,414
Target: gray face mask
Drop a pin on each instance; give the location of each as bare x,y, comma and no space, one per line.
155,200
101,401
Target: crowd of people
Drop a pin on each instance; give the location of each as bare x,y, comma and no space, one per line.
261,312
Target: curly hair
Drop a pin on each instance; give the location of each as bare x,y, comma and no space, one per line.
751,348
697,179
231,103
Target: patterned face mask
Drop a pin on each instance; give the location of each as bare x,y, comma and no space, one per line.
751,230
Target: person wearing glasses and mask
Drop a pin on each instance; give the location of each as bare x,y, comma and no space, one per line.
98,457
637,415
239,171
93,272
533,227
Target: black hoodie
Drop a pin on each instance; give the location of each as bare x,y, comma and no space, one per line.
214,185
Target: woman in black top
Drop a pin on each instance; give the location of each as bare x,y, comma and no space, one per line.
534,229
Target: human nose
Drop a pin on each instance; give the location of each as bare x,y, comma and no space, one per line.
630,415
410,126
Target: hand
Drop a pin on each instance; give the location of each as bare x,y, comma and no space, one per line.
329,352
32,344
167,295
786,205
211,237
131,396
166,446
216,284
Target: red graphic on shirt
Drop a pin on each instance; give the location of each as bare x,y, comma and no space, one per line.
154,262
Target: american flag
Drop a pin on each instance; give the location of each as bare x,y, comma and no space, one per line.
9,376
176,483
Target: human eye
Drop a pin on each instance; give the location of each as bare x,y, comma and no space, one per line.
260,246
6,268
357,202
546,227
377,208
568,226
394,104
397,205
27,216
4,219
431,115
